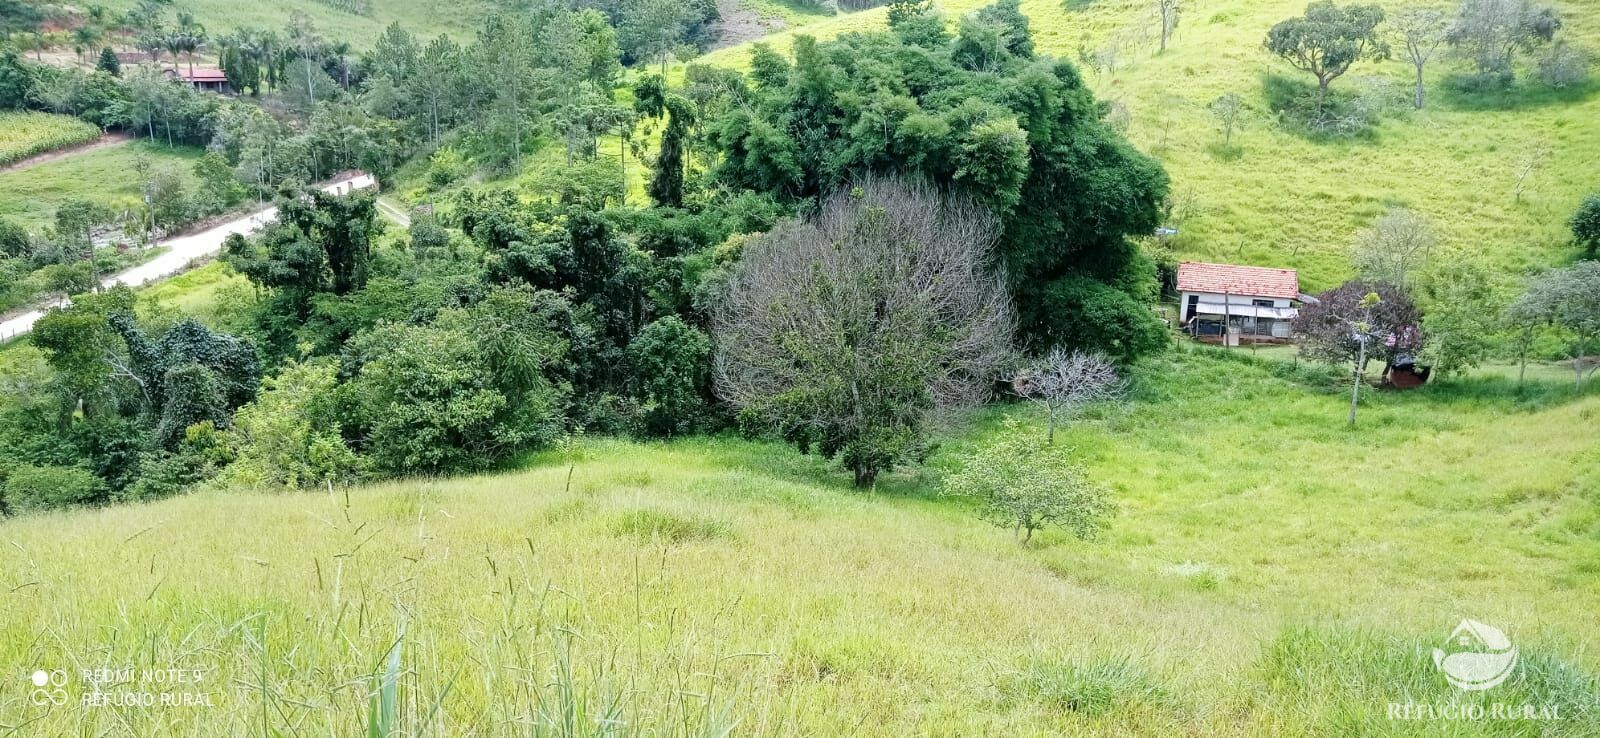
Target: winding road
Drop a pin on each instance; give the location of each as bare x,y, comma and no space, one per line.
184,250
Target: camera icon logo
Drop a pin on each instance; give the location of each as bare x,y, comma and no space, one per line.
49,687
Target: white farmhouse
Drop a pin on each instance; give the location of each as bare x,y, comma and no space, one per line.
1222,302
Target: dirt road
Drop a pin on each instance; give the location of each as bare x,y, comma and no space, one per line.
182,251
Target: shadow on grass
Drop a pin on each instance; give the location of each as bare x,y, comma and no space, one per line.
1459,93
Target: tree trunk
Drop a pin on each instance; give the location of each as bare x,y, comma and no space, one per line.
1419,87
1050,435
1355,382
866,475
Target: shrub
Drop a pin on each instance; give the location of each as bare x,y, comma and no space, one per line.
31,487
290,435
465,391
1095,314
670,369
1027,484
1564,65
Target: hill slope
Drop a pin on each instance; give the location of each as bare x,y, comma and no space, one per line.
698,584
425,18
1290,201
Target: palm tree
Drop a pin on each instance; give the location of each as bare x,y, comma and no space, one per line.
191,36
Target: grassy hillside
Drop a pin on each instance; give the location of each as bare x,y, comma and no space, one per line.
427,18
105,175
1290,201
686,587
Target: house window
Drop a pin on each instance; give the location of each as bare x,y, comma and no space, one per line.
1263,303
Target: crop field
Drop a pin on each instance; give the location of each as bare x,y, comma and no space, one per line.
1283,199
703,586
25,134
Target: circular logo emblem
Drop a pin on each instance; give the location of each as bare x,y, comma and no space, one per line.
1476,657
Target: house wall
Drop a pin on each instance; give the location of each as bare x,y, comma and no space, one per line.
1183,301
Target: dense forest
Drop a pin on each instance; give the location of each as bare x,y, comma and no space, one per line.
495,325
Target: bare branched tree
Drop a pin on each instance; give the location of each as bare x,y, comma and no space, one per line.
850,331
1419,32
1167,14
1396,244
1227,109
1065,382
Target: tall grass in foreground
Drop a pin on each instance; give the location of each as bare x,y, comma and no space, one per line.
1270,573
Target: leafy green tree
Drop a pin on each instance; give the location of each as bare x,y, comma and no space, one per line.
463,392
1007,14
1028,485
109,63
1585,225
1568,299
189,375
1327,40
848,332
768,68
1462,311
669,364
1102,316
652,29
219,185
1489,33
15,243
76,220
19,16
320,242
1027,140
918,23
192,395
79,345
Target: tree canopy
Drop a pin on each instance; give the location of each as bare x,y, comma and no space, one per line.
1023,136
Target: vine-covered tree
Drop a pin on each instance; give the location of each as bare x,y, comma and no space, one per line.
653,100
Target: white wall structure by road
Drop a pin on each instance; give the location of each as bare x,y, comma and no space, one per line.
185,250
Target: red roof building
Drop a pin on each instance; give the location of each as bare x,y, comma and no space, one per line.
1227,300
203,78
1230,279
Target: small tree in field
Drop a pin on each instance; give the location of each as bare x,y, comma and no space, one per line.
1420,31
1397,244
1227,109
1025,485
1568,299
1065,382
1167,14
849,331
1327,40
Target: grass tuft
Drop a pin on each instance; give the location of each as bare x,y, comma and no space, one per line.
670,528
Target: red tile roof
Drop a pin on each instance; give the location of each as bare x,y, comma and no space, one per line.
203,75
1229,279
